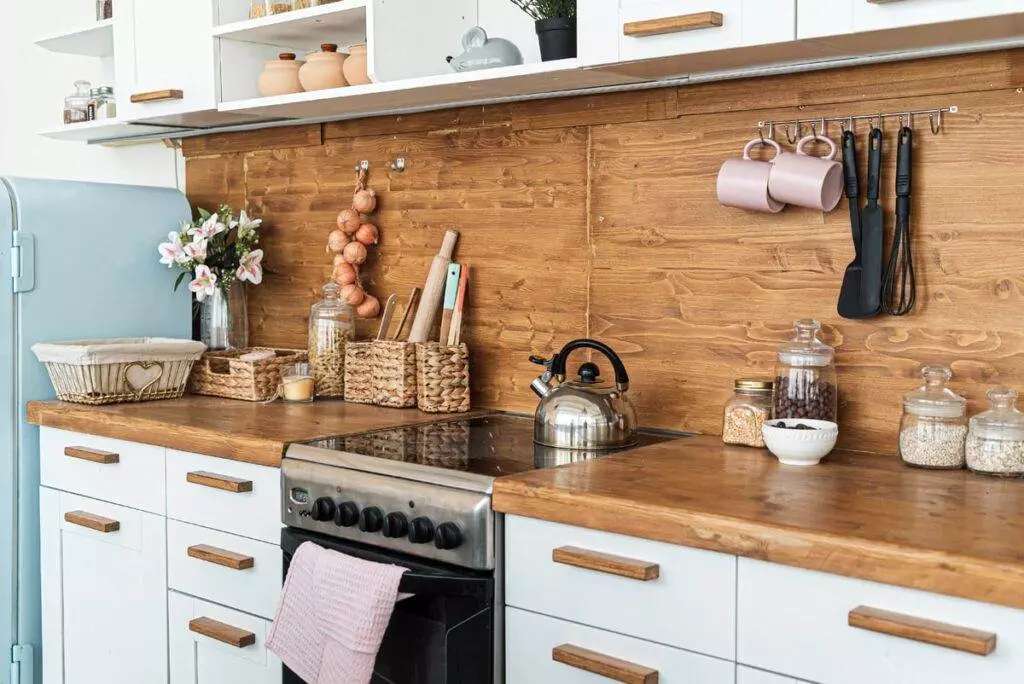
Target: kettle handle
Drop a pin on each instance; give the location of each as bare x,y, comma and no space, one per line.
558,363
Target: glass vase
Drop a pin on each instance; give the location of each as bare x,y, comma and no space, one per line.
224,319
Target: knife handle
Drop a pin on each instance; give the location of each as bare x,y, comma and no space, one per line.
874,163
903,162
850,165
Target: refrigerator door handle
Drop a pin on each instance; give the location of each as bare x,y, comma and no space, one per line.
23,261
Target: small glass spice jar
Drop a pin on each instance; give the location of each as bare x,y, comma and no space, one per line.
746,412
805,377
995,439
933,429
76,105
331,326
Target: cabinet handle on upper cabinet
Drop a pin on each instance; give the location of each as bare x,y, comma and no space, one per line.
92,455
224,633
603,665
225,482
607,563
678,24
93,522
157,96
229,559
920,629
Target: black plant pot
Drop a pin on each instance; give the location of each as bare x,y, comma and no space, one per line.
557,36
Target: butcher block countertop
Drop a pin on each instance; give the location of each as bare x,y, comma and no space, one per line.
855,514
239,430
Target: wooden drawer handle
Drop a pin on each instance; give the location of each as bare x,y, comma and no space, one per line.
919,629
93,522
233,636
157,96
606,562
229,559
228,484
605,666
678,24
92,455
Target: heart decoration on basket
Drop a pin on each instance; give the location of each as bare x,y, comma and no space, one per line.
142,375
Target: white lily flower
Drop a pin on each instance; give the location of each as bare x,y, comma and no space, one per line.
205,283
196,250
250,267
247,224
172,252
210,227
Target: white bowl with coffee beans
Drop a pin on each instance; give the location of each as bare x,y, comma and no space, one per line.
800,441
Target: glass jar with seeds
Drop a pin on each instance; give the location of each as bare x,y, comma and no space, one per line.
805,377
995,440
746,412
331,326
933,428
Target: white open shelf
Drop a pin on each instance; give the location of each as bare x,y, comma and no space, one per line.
95,40
342,23
102,129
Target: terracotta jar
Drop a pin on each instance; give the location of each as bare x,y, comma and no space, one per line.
280,76
323,69
355,65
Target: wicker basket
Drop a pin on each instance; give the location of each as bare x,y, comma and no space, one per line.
121,370
223,374
394,374
442,378
359,372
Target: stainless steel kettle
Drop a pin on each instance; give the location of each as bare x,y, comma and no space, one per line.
583,413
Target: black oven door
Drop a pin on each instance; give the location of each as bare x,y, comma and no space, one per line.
443,634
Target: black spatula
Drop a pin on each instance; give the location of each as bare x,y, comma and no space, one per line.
872,226
849,293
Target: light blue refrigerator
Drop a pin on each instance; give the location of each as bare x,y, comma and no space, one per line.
77,261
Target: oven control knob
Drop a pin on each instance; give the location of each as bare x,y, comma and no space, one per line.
395,525
347,514
448,536
371,519
421,530
323,509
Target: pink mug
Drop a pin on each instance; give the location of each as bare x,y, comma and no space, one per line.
805,180
743,183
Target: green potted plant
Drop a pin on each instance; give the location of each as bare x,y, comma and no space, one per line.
556,26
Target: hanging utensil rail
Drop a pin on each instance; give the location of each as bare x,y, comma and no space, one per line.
819,125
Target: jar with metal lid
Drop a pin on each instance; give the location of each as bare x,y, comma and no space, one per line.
76,105
746,412
933,428
995,439
805,378
330,327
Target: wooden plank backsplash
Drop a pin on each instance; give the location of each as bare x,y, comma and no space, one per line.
597,216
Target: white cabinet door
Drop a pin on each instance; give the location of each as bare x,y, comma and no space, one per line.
224,646
750,675
837,17
104,579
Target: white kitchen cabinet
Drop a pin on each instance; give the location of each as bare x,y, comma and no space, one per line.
817,19
751,675
211,644
104,578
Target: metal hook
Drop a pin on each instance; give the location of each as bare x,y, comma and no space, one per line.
398,164
789,137
814,130
910,120
363,165
760,133
771,130
871,123
881,122
799,129
935,122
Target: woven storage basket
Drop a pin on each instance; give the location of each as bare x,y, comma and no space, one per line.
120,370
394,374
442,378
223,374
359,372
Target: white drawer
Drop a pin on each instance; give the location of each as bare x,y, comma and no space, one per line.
743,23
691,604
795,621
751,675
126,473
236,497
195,657
236,571
836,17
530,640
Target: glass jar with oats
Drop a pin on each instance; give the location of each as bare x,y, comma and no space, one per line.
933,428
995,439
746,412
331,325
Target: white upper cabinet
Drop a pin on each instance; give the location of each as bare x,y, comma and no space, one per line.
818,19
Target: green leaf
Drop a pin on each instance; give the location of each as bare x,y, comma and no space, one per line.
181,276
203,214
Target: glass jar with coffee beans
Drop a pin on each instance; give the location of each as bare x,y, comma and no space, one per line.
805,377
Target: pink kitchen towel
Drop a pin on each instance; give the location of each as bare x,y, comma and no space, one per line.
332,616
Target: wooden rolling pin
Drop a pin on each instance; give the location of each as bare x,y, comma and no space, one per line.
433,289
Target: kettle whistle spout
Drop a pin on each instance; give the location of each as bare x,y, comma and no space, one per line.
540,387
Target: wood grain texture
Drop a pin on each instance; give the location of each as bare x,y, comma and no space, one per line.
92,521
926,631
228,559
597,215
92,455
157,96
278,138
676,24
860,515
610,668
218,481
606,562
222,632
237,430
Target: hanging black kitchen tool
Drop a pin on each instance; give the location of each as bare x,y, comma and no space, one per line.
849,294
872,232
899,288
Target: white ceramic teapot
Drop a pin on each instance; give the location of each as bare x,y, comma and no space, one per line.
482,52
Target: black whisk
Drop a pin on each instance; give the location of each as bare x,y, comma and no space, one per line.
899,288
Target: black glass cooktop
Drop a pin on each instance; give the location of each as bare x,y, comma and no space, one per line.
492,445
